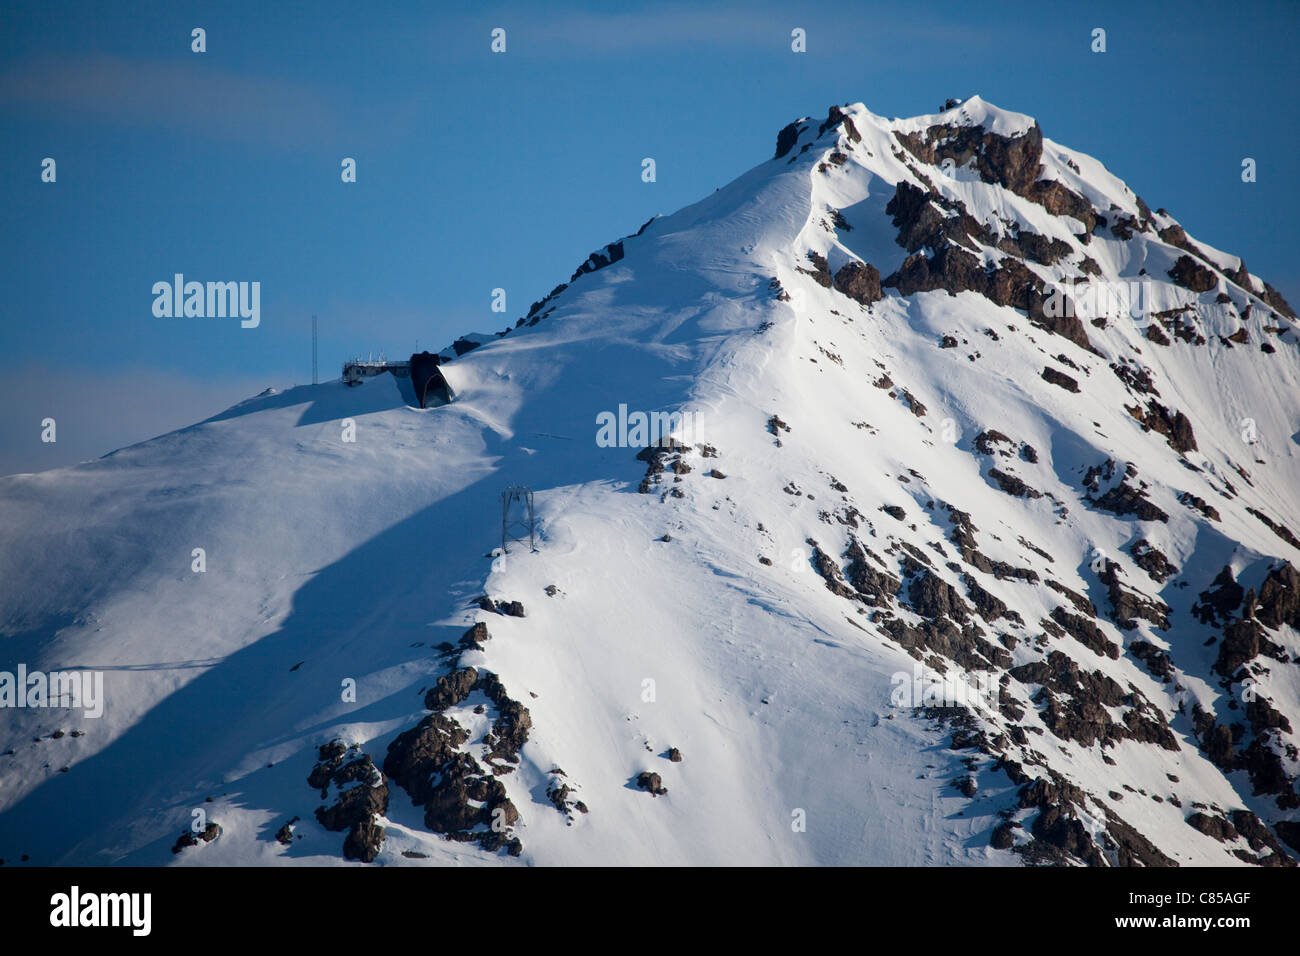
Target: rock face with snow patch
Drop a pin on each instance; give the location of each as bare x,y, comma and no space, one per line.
360,795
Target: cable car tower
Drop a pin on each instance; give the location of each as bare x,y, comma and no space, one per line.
517,522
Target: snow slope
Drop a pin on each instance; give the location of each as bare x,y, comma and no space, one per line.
712,605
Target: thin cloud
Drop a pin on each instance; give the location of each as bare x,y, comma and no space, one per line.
96,412
741,29
190,98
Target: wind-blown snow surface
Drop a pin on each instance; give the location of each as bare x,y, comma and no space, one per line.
329,560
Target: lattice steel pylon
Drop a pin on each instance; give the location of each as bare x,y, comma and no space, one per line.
514,527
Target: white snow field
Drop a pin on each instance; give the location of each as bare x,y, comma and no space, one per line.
330,560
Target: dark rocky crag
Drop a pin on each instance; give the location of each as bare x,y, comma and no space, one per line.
462,794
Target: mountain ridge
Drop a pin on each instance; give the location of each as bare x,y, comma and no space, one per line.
900,457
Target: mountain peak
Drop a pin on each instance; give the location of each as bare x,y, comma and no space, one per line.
976,111
948,548
973,112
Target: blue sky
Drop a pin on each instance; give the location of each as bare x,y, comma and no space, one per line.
478,171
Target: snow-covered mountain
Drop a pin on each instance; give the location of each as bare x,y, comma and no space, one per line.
902,457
